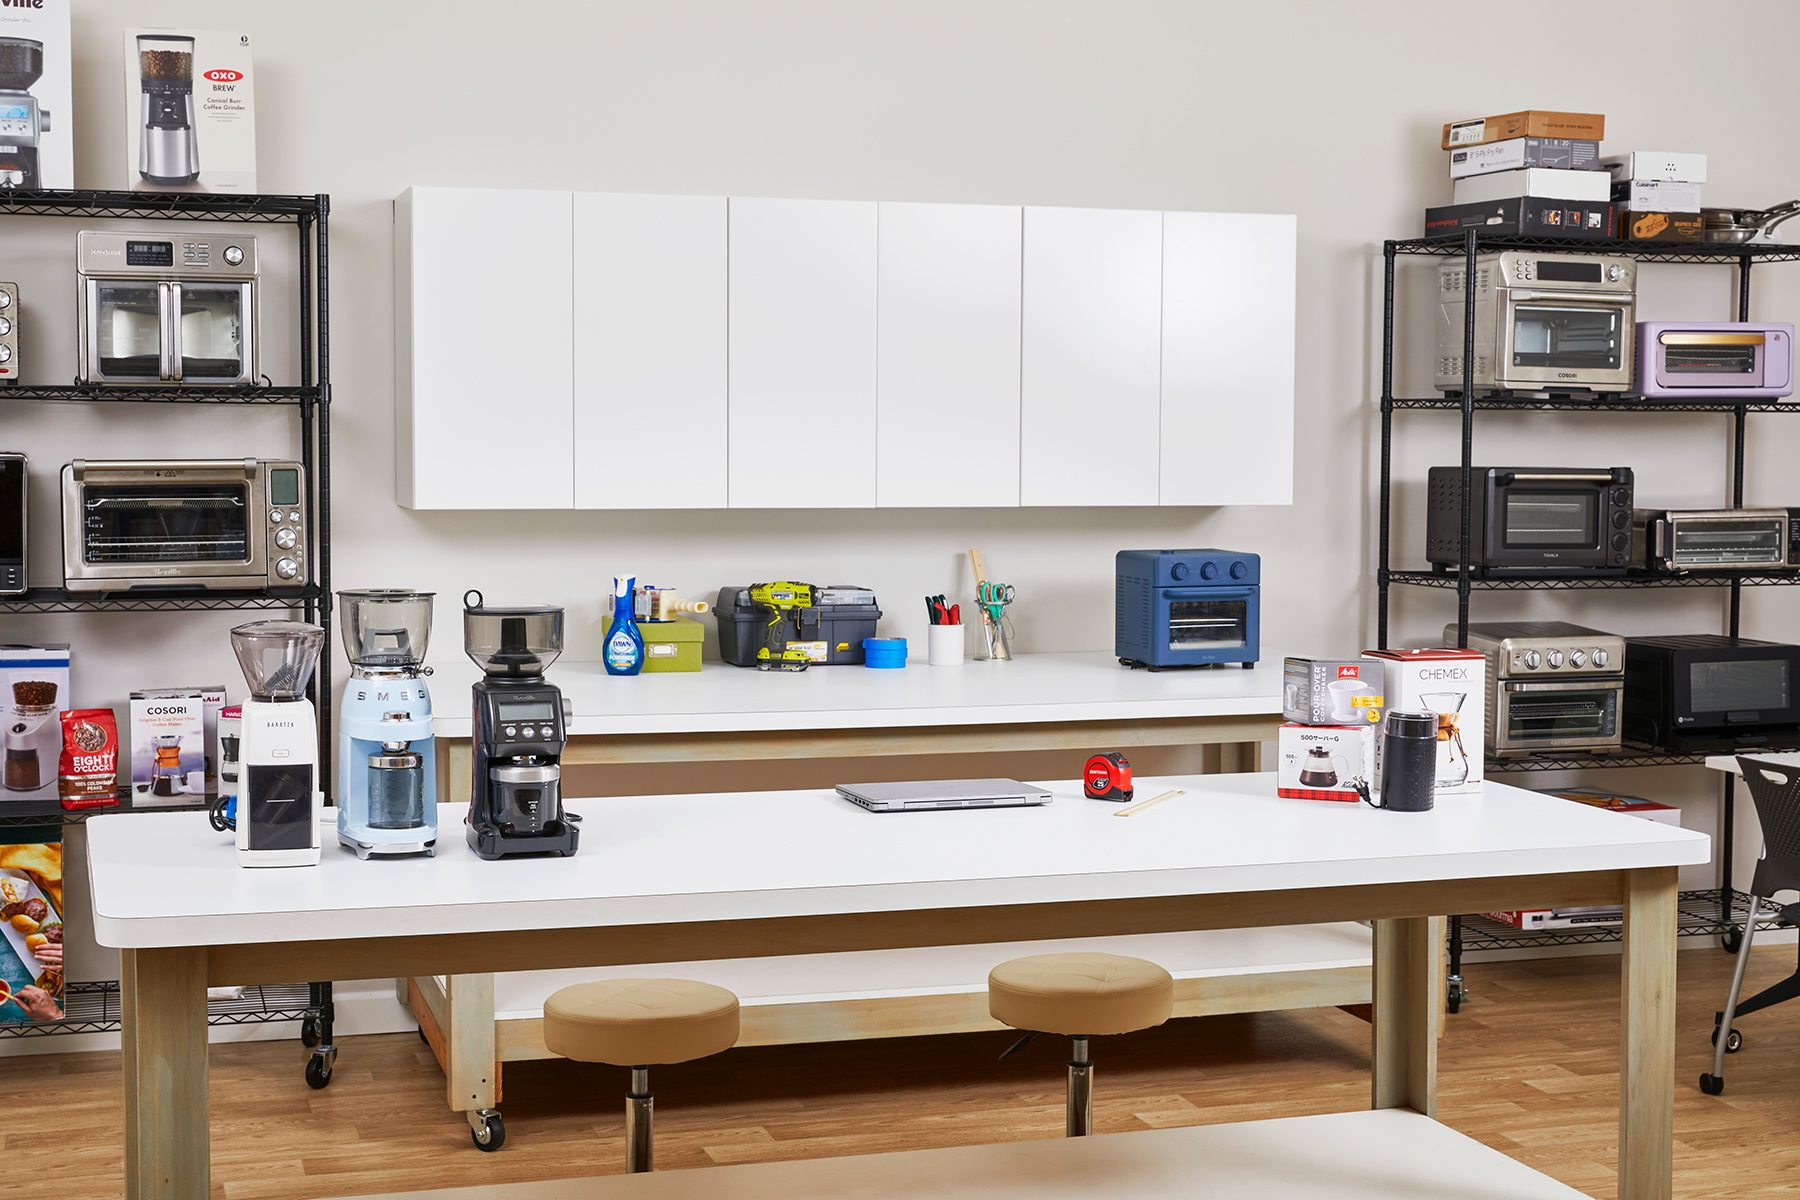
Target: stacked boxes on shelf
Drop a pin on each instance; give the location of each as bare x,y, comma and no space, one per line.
1326,749
1658,194
1535,173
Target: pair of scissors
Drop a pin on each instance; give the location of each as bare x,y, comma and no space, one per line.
994,597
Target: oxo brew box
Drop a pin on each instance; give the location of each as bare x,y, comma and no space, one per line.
1452,685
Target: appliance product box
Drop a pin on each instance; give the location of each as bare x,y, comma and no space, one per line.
37,117
190,111
34,693
1549,183
1331,691
1530,216
1662,226
31,888
173,733
1538,123
1680,166
1324,762
1598,914
1452,684
1657,195
1568,154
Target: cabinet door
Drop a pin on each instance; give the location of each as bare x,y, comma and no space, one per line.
802,354
1090,357
1228,359
484,351
650,358
948,390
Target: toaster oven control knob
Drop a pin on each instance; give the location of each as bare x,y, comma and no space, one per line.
1613,273
1533,660
1578,659
286,538
275,517
5,298
1601,658
1209,570
5,353
1179,571
1556,659
1239,569
1621,541
234,255
5,325
287,568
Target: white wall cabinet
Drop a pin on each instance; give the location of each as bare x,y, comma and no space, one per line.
948,356
649,341
1227,359
482,349
802,354
1090,397
840,354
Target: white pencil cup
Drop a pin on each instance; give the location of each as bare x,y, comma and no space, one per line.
945,645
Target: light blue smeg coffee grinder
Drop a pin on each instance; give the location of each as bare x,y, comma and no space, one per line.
388,800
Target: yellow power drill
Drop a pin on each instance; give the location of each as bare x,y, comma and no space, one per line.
783,600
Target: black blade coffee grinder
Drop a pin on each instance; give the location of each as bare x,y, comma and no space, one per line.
520,726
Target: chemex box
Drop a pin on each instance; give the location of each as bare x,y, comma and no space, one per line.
34,690
1452,686
1324,762
1331,691
173,732
37,116
190,111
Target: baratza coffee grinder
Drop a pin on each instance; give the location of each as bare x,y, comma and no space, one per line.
23,122
279,797
388,800
519,730
167,152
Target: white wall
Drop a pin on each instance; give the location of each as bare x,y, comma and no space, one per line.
1326,109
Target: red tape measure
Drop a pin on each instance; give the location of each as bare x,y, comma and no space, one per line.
1107,777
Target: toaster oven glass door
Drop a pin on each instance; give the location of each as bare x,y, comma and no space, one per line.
1546,716
1568,337
1729,541
212,345
1209,618
1551,518
125,330
1741,690
181,523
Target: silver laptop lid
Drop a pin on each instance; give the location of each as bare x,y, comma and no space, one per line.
959,792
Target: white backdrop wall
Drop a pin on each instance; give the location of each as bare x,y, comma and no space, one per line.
1328,110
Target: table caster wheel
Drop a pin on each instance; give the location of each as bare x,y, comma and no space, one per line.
1732,940
318,1072
1733,1043
309,1032
1712,1085
490,1133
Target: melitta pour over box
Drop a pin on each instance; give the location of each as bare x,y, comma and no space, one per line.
1452,686
190,113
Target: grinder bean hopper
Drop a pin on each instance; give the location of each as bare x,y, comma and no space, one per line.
520,727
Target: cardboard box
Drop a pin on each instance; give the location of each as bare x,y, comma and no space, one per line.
37,130
1453,685
1657,195
1559,918
1679,166
222,157
31,877
34,693
1568,154
1527,216
190,716
1538,123
1324,762
1331,691
1662,227
1547,182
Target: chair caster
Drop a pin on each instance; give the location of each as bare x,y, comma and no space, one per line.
1711,1084
1733,1044
487,1130
1731,940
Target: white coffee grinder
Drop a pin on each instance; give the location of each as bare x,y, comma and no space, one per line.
279,795
387,798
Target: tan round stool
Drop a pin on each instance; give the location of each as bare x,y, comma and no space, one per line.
1080,996
638,1023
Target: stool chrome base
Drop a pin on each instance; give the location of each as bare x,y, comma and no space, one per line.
640,1105
1079,1104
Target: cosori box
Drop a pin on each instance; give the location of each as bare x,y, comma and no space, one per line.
1331,691
1324,762
173,735
1452,686
190,112
34,693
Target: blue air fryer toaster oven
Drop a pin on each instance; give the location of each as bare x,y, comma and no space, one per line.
1186,608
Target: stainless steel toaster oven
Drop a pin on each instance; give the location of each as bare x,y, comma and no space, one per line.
1722,539
226,524
167,310
1543,322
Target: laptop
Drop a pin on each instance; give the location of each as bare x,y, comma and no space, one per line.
938,794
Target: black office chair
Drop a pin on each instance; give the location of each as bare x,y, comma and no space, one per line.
1775,788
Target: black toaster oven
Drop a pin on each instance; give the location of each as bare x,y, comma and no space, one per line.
1711,693
1532,520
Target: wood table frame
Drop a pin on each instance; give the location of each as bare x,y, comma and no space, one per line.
167,1140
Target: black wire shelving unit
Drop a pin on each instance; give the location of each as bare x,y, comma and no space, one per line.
93,1006
1469,244
1697,914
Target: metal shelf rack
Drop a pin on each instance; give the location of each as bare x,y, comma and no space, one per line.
310,397
94,1008
1705,913
1468,244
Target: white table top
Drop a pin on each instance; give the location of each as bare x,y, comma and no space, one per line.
167,879
721,698
1729,762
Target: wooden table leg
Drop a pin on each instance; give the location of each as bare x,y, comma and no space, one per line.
162,993
1647,1038
1408,994
470,1064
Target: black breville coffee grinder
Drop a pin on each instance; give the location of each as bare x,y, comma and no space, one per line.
520,725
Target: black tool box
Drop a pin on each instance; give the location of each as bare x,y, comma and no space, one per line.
842,617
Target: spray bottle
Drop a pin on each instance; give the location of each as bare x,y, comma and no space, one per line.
623,652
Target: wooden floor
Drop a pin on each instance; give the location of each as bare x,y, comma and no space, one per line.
1529,1067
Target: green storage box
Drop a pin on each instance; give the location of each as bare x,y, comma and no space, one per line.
671,645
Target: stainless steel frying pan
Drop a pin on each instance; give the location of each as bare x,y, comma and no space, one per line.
1742,224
